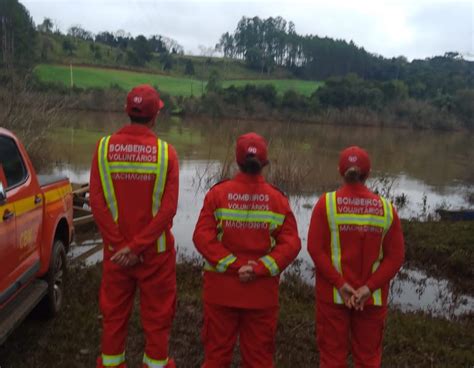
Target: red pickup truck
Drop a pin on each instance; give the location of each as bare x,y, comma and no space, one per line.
36,229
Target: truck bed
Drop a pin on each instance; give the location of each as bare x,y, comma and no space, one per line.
45,180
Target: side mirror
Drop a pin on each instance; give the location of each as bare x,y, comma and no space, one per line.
3,194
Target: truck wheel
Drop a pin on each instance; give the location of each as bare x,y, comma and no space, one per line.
52,302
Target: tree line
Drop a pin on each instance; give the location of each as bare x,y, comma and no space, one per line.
265,44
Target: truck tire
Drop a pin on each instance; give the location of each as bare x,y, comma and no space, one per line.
53,300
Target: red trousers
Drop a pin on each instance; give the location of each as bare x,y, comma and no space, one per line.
339,329
156,281
256,329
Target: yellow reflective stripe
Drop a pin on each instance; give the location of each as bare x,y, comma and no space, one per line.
362,220
272,242
113,360
271,265
161,243
331,211
249,216
132,167
388,215
208,267
161,170
106,178
161,173
225,262
154,363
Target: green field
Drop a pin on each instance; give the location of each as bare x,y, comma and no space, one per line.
88,77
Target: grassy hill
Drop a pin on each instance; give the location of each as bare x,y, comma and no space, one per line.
50,51
100,77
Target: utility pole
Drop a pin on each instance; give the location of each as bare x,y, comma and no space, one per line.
72,77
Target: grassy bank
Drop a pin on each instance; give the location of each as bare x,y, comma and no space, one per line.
96,77
72,340
443,249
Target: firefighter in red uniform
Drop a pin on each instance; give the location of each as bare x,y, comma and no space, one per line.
134,194
247,235
356,242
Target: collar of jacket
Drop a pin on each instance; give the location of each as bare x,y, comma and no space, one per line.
246,178
136,129
355,187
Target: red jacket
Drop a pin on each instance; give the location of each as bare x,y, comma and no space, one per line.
245,219
370,240
136,227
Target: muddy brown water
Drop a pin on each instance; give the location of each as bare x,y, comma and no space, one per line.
433,169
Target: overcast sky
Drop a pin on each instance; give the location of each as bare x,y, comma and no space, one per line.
414,28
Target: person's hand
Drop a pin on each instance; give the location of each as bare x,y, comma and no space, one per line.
347,293
246,273
360,297
125,257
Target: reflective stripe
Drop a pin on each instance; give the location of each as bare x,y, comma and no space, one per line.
153,363
106,178
132,167
336,219
161,243
159,169
225,262
388,210
271,265
113,360
209,267
249,216
335,243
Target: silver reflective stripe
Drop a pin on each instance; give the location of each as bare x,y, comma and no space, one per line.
130,167
271,265
335,243
106,178
249,216
388,215
225,262
113,360
161,171
154,363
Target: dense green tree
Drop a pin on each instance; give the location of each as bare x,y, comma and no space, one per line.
17,34
69,46
214,83
189,67
46,26
142,50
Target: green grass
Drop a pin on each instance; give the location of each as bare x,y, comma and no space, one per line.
90,77
95,77
72,339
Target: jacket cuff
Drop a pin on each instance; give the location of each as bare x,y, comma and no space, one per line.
261,270
237,264
371,286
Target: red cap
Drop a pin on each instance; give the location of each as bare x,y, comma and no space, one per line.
251,144
144,102
354,157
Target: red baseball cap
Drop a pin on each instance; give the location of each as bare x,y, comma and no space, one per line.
143,101
354,156
251,144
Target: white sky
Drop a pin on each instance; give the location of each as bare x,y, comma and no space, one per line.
413,28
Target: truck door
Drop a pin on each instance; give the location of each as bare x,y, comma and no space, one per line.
7,239
24,194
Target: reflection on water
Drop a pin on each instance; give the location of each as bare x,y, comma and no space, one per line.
412,290
437,165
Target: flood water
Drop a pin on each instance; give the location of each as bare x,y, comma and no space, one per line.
432,169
